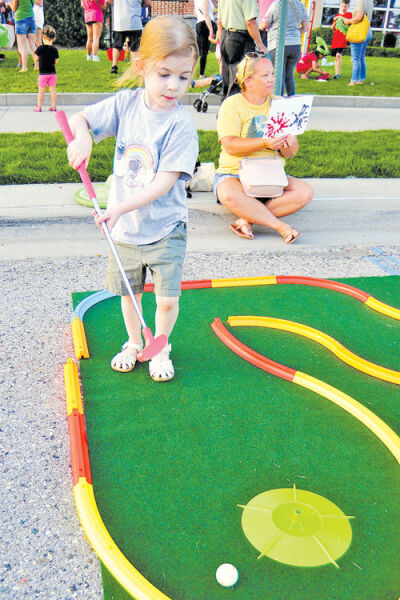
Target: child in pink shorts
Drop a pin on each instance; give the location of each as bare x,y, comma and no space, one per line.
47,56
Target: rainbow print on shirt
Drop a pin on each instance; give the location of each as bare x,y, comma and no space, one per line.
136,166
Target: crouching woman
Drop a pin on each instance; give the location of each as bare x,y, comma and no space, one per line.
240,133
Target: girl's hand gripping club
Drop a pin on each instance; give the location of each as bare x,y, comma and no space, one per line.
152,345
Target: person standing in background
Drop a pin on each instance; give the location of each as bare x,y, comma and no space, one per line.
146,12
358,51
206,28
39,20
3,19
25,29
126,23
240,34
296,23
46,56
94,19
263,6
339,42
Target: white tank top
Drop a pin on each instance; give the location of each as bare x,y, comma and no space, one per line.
198,9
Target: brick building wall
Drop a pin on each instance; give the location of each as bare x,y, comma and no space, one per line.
184,8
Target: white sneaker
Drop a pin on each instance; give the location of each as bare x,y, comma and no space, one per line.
95,58
161,367
88,57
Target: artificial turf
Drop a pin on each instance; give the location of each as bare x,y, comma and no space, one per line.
170,462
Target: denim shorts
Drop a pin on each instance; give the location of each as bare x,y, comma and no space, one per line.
25,26
219,178
164,258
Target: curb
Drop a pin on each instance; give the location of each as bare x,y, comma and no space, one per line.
77,99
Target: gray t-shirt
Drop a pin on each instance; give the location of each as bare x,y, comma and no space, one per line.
126,15
296,14
147,142
366,6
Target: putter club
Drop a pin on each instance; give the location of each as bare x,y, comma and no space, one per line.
152,345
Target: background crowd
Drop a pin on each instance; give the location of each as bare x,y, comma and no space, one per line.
236,27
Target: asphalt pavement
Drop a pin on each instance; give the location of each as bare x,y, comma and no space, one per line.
49,248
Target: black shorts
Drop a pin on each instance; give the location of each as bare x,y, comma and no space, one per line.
335,51
134,38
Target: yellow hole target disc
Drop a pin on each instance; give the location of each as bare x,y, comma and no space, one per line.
296,527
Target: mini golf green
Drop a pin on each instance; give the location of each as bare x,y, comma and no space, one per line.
172,462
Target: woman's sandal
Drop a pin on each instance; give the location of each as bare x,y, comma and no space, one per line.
125,361
290,235
161,367
243,229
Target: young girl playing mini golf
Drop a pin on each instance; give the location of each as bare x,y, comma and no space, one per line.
155,152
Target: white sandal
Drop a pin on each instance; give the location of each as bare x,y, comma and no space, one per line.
125,361
161,367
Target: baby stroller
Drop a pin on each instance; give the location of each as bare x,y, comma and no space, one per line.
200,104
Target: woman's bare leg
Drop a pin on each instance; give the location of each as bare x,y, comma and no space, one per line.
89,41
38,41
38,36
31,39
296,195
23,50
97,29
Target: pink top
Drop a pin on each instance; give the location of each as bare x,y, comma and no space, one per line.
263,6
93,11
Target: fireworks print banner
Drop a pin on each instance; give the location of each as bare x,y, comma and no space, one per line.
288,115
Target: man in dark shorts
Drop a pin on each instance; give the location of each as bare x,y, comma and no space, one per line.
126,24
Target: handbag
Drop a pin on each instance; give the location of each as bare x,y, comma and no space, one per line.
263,177
357,32
203,178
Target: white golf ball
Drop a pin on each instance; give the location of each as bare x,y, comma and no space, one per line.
227,575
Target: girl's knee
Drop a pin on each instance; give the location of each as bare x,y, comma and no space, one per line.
167,304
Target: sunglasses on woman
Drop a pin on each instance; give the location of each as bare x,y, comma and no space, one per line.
254,54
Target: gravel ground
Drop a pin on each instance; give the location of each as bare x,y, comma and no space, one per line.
44,552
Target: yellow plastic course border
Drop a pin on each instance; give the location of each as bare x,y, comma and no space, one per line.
78,330
99,538
101,541
352,406
322,338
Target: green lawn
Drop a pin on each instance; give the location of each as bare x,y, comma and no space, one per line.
75,74
368,154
